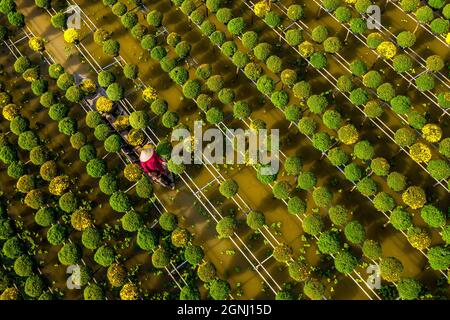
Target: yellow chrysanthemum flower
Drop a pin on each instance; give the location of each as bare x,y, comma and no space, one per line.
149,94
10,111
129,292
36,44
71,35
88,86
10,294
306,49
31,74
135,137
81,220
132,172
121,123
348,134
447,38
414,197
420,152
432,132
387,49
58,185
104,104
261,9
116,274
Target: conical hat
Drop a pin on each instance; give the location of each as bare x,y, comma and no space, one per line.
146,154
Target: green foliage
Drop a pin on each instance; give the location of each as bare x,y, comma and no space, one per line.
160,258
104,256
306,180
168,221
91,238
367,186
96,168
57,234
132,221
147,239
400,219
329,242
206,271
345,262
296,206
69,254
383,202
236,26
45,217
34,286
322,141
340,216
363,150
226,227
219,289
409,289
313,288
120,202
23,266
313,224
354,232
262,51
111,47
353,172
397,181
439,169
391,269
434,217
154,18
193,254
371,249
228,188
93,292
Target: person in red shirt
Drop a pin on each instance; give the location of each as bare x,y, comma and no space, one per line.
151,162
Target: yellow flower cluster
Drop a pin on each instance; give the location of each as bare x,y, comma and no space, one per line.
447,38
31,74
149,94
350,1
306,49
348,134
58,185
387,49
88,86
132,172
10,111
288,76
116,274
129,292
104,104
71,35
10,294
419,240
414,197
432,132
135,137
121,123
81,220
261,9
420,152
36,44
180,237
